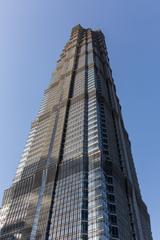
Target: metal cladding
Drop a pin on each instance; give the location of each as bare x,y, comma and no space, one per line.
76,178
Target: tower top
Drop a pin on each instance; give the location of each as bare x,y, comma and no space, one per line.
76,28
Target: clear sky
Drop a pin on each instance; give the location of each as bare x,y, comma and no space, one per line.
32,35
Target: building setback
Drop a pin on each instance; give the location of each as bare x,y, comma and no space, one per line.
76,178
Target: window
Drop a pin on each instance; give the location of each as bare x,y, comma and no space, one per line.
113,219
110,188
114,231
111,197
109,180
112,208
90,58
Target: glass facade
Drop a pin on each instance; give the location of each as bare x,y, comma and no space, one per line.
76,178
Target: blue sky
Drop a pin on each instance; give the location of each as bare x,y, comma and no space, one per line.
33,34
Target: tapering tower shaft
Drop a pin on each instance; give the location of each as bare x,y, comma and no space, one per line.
76,178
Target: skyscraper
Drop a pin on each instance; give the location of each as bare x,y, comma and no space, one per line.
76,178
